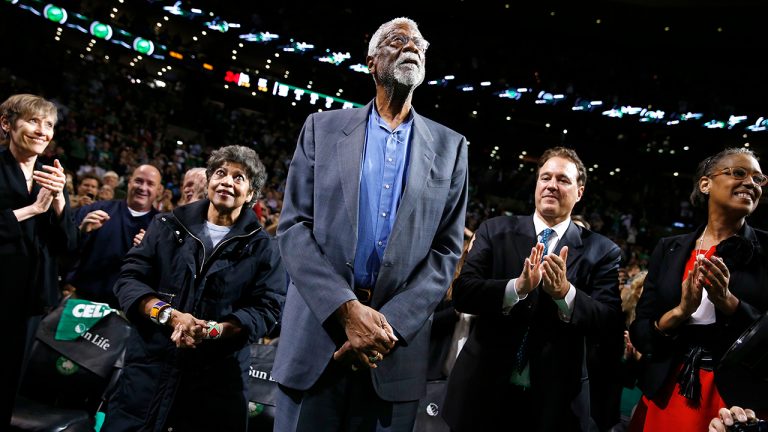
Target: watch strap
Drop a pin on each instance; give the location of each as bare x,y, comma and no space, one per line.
158,307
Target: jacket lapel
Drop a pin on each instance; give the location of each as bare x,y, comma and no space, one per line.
349,154
739,276
572,239
678,253
525,237
419,166
15,177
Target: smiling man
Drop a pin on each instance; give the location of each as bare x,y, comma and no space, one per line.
370,233
108,230
541,287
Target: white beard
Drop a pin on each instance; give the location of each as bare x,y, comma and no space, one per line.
408,75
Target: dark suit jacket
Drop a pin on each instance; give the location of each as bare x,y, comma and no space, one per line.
662,291
482,372
318,235
102,251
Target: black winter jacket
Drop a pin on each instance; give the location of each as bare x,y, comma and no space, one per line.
242,278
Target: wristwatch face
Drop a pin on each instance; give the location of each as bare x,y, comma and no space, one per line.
165,315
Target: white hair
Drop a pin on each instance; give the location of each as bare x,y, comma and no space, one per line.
385,29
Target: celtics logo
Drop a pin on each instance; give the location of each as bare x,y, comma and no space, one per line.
254,409
66,366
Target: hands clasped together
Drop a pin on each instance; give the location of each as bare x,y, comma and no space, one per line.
549,271
188,331
369,336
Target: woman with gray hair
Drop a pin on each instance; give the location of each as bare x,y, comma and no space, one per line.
35,226
204,283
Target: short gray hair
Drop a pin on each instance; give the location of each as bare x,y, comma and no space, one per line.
385,29
24,106
254,169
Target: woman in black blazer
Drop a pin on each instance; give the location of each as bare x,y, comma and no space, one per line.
702,291
35,226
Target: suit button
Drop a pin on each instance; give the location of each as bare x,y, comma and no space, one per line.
387,263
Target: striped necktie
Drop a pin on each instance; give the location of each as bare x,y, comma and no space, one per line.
521,358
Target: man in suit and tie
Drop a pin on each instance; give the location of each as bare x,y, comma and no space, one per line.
538,285
370,233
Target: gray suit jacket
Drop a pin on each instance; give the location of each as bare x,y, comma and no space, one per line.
318,235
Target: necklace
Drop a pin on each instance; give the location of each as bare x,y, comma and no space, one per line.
701,241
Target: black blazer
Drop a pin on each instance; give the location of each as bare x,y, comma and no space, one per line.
662,292
29,249
556,348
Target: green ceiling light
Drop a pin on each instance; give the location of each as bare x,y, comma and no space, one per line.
101,30
55,13
143,46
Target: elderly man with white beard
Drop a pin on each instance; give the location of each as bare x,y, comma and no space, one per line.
370,233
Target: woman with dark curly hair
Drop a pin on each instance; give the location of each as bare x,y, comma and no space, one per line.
205,282
702,291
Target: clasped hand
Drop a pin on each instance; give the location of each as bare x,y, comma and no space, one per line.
369,335
188,331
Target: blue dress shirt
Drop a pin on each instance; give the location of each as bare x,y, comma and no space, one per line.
382,180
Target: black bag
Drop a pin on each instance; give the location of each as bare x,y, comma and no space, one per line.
742,375
99,349
262,389
73,374
429,417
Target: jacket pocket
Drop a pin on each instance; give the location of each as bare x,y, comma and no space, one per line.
439,183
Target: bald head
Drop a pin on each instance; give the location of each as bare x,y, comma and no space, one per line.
143,188
194,186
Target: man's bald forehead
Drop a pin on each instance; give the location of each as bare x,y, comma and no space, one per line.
146,169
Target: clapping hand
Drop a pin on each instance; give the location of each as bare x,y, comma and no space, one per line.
93,221
530,277
714,277
554,274
53,179
139,237
690,298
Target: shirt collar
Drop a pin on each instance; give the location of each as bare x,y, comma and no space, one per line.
539,225
379,121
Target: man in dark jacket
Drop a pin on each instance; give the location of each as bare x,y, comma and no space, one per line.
109,230
539,285
207,277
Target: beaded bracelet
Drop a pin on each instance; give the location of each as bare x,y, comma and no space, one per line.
213,330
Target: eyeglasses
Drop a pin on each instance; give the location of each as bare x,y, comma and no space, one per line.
400,40
740,173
